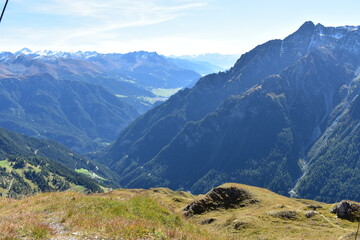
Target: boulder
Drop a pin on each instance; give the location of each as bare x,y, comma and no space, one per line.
208,221
347,210
286,215
315,207
309,214
220,198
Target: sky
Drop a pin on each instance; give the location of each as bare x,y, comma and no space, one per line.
169,27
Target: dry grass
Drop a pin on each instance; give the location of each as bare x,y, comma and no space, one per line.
121,214
157,214
267,219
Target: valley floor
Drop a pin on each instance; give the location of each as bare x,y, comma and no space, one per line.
159,214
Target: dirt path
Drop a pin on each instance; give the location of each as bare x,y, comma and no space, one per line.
334,225
60,231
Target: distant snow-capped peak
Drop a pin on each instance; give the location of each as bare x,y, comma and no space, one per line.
49,54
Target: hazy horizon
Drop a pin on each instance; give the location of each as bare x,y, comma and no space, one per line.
140,50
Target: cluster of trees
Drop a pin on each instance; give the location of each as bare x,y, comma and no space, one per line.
36,174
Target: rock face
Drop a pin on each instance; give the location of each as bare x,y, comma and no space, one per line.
347,210
218,198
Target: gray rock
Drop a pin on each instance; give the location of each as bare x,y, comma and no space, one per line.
208,221
309,214
314,207
347,210
286,215
218,198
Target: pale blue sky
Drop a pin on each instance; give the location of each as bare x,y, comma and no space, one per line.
166,26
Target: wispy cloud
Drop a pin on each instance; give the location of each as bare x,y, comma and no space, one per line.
115,9
102,16
103,25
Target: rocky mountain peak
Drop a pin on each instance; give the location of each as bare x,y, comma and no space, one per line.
24,51
307,26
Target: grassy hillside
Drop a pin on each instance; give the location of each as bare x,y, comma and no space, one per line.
159,214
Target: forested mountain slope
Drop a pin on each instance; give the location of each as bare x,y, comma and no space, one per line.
29,166
79,115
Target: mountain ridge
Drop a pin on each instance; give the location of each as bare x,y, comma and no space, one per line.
300,78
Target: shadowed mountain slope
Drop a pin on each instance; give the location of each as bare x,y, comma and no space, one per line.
79,115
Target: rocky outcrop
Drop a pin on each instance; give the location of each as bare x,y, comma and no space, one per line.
286,215
347,210
310,214
208,221
314,207
220,198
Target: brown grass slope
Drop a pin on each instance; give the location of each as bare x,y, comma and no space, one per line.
159,214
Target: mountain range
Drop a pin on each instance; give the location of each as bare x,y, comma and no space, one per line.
131,76
84,99
284,117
